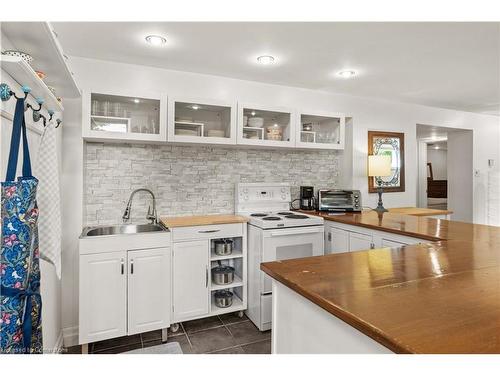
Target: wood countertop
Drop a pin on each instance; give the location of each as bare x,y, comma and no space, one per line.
442,297
415,226
418,211
191,221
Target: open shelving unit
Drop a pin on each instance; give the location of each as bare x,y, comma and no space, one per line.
24,75
236,259
41,41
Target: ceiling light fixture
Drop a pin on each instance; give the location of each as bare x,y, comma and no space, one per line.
136,101
346,73
253,113
265,60
156,40
195,107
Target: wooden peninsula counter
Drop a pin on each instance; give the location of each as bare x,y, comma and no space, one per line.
438,297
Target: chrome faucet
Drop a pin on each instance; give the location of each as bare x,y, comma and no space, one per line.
151,215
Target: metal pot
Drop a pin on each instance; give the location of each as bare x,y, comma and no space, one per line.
222,275
223,246
223,298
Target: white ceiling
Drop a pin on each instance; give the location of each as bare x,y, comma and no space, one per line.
449,65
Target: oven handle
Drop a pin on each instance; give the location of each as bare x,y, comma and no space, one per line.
281,232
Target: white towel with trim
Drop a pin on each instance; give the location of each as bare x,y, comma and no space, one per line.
49,199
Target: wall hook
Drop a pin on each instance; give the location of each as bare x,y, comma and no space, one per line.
39,102
6,92
58,122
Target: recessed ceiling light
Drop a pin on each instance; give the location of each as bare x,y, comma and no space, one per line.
346,73
253,113
195,107
137,101
156,40
265,60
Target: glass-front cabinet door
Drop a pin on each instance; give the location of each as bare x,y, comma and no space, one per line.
321,130
265,126
119,117
201,121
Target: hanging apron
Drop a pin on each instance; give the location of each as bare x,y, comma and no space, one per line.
20,300
49,221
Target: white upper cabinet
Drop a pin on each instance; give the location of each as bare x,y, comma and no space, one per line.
266,126
320,130
192,120
119,116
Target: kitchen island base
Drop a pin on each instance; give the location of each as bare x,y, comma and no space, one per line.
301,327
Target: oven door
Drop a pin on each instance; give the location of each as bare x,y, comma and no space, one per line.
290,243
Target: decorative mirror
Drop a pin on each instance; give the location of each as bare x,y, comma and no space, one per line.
392,144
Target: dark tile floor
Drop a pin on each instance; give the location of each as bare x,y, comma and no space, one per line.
224,334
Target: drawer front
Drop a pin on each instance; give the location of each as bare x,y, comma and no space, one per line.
207,231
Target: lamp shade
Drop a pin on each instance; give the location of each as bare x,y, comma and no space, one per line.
379,165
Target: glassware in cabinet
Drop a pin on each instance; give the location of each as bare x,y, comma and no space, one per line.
201,121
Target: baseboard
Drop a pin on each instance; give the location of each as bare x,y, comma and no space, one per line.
70,336
58,347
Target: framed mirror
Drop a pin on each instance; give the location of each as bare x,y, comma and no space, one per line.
392,144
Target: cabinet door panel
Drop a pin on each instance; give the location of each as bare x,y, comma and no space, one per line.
339,240
190,279
359,241
103,296
148,290
390,243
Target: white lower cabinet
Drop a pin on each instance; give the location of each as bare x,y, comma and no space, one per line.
148,291
193,258
190,279
123,293
340,238
360,241
336,241
103,296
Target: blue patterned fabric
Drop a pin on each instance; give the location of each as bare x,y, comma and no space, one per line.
21,305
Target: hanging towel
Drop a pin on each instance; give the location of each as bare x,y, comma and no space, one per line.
20,299
49,199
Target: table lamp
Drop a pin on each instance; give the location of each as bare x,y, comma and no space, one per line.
379,166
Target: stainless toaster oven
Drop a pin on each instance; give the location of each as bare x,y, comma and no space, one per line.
339,200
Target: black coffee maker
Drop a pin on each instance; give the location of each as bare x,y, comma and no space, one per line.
307,198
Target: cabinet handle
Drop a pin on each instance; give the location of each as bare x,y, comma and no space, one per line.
206,277
131,266
209,231
122,263
330,236
372,245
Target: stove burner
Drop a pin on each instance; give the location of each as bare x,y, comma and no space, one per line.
296,216
285,213
258,215
272,218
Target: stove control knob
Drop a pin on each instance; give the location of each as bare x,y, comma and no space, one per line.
246,197
283,196
245,191
282,189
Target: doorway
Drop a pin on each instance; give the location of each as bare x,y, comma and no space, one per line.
445,170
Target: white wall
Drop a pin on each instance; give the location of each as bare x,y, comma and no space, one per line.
438,160
460,172
50,283
367,114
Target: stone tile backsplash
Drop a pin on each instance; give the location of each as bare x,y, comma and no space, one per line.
191,179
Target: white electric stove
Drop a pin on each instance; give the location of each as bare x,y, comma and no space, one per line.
274,233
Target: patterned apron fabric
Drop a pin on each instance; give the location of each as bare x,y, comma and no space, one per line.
20,300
